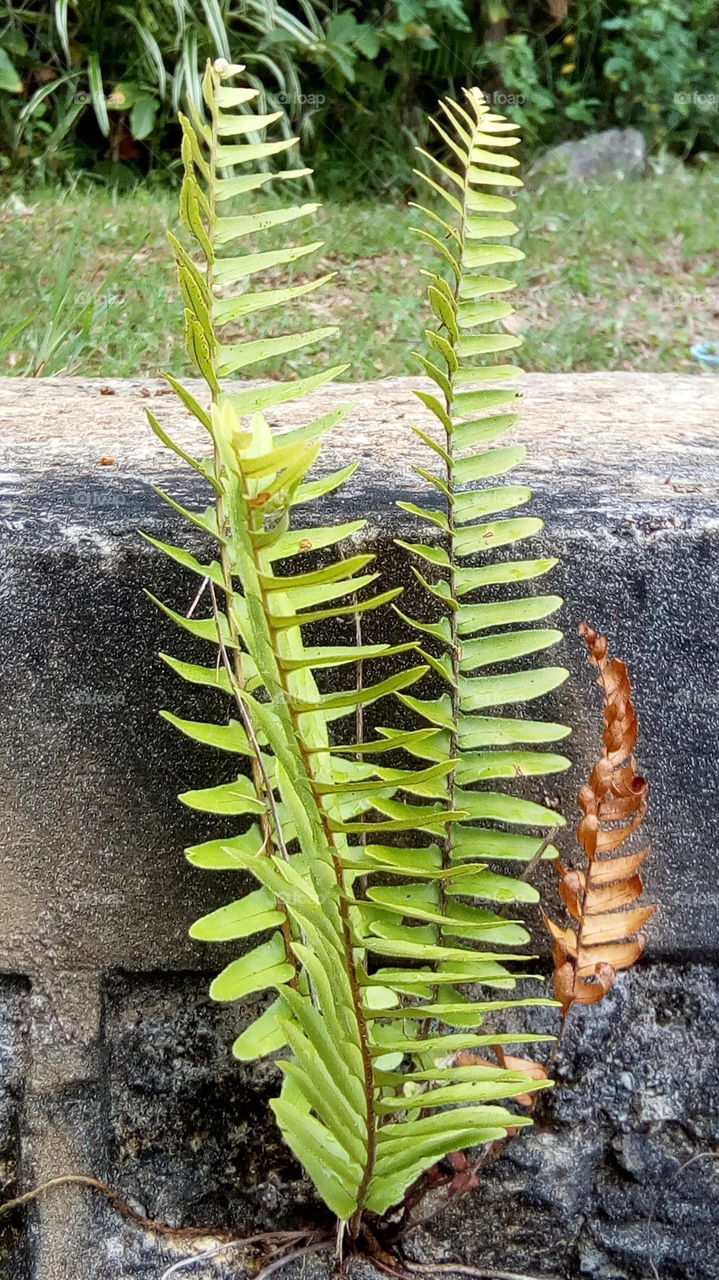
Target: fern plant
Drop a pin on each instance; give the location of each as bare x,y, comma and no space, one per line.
364,983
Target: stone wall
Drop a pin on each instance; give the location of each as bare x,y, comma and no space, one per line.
113,1060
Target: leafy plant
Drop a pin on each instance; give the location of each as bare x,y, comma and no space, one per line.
662,62
84,86
364,1126
120,71
371,943
461,365
10,81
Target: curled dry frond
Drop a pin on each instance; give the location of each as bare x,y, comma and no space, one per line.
602,898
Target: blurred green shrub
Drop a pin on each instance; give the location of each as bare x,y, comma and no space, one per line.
94,85
662,60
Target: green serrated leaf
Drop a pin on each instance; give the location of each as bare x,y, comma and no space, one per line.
227,737
506,647
227,853
282,622
327,1165
476,504
444,311
242,355
477,617
432,555
495,888
467,580
479,766
494,731
521,686
438,710
496,806
213,572
212,677
493,462
228,229
229,271
225,310
485,537
485,843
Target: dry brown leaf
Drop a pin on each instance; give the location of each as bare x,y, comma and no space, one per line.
535,1070
601,898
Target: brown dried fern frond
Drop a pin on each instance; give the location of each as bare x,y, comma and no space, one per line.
601,898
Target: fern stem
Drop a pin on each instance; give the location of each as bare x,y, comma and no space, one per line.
278,1263
446,844
265,786
455,651
259,777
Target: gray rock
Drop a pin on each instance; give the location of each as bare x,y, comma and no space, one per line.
592,1190
611,154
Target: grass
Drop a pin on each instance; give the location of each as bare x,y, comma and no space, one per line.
622,277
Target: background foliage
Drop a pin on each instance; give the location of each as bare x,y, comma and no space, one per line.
95,85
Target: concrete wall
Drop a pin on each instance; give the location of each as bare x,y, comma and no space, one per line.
113,1061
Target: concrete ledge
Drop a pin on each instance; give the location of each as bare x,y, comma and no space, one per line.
603,446
92,882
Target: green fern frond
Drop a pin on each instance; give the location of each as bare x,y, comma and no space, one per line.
477,645
481,633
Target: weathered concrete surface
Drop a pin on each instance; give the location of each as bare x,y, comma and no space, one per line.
600,1187
601,444
638,1096
129,1076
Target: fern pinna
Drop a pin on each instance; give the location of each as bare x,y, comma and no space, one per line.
370,1097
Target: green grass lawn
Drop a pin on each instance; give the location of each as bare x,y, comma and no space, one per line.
622,277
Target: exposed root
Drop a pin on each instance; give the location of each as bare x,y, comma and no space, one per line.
320,1247
180,1234
289,1245
197,1258
276,1261
462,1269
118,1202
400,1268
